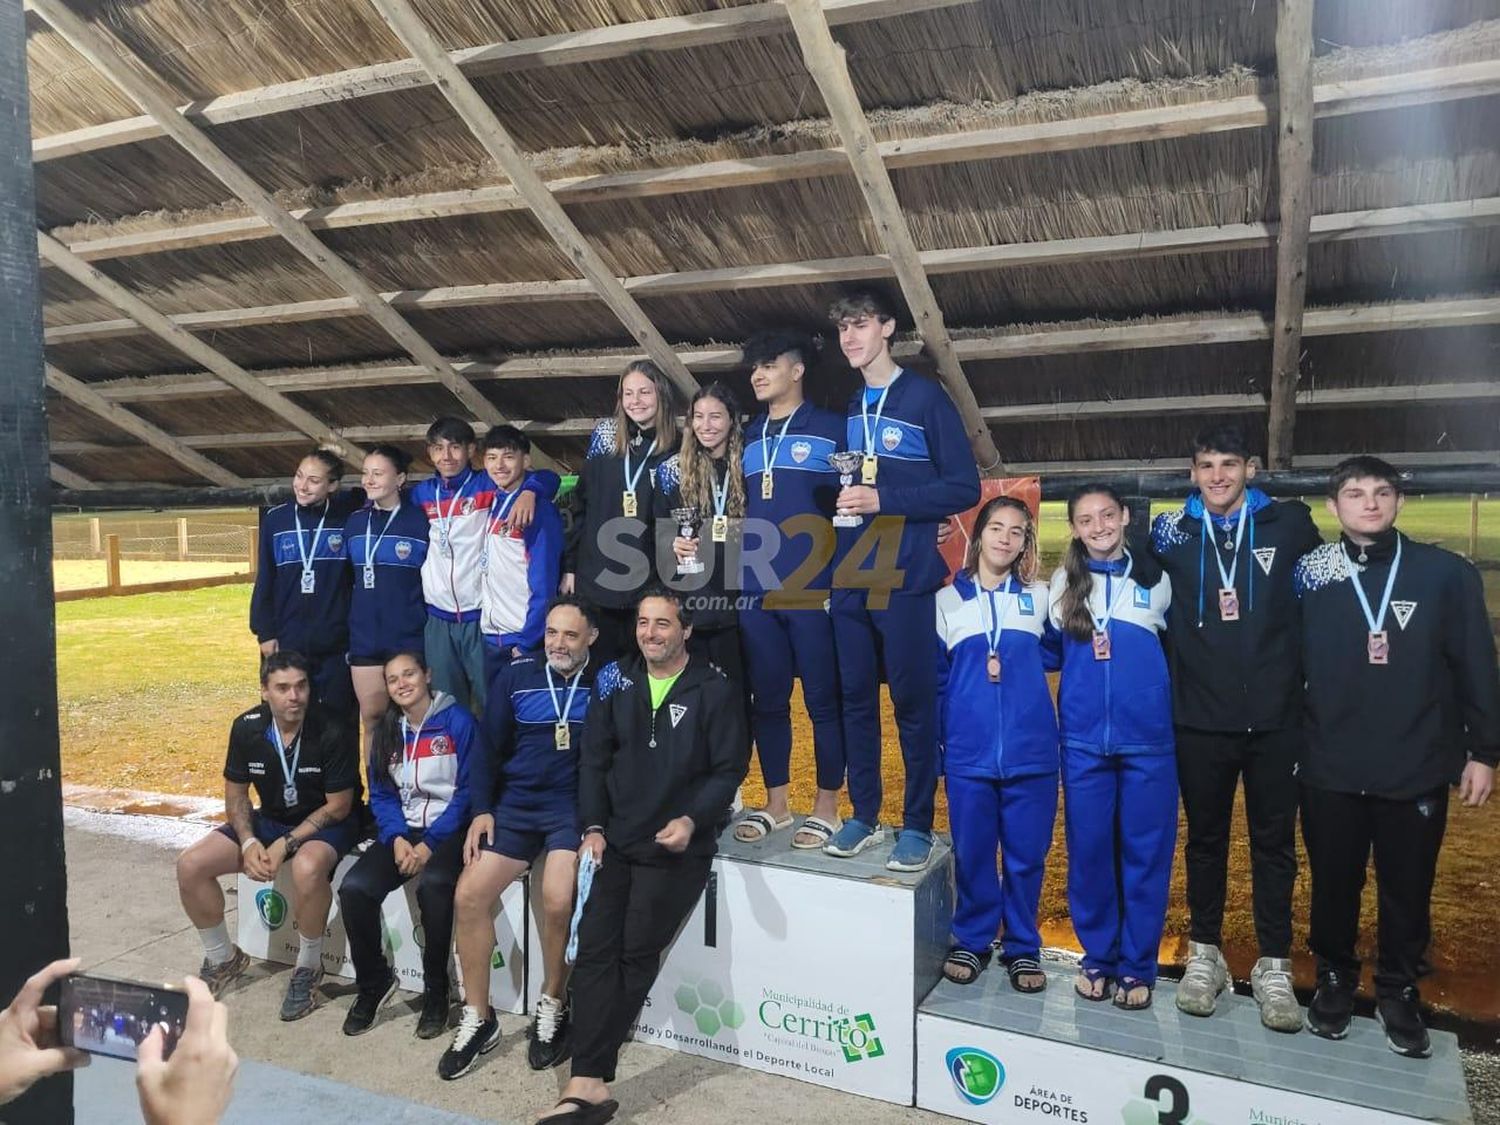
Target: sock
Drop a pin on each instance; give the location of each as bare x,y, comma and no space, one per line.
216,947
309,953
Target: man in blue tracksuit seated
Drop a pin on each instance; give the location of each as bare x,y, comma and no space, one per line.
918,468
789,493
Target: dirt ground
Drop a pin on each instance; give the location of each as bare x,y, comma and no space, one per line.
149,683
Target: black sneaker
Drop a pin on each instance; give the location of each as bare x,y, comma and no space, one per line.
473,1038
550,1043
436,1010
1332,1007
1401,1017
367,1005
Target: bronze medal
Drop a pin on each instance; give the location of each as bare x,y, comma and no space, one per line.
1379,647
1101,645
992,667
1229,604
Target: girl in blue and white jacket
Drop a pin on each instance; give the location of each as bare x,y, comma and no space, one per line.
1118,766
999,736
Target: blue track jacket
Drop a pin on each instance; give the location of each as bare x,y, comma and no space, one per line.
315,624
804,487
522,767
388,618
445,749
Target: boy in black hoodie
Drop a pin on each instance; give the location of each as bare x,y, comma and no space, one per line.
665,746
1237,704
1403,701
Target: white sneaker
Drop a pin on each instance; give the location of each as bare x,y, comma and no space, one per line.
1206,975
1271,982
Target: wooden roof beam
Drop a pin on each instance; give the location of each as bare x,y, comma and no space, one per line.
1294,168
1097,130
503,150
68,478
595,45
1382,223
184,341
116,415
129,75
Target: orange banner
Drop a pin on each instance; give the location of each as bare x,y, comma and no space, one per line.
1028,489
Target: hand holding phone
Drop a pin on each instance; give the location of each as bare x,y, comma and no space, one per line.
105,1016
30,1047
195,1084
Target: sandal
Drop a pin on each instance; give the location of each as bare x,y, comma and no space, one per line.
818,828
1127,985
964,961
758,825
584,1112
1018,967
1092,984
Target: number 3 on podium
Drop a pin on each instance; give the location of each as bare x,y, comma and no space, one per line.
1162,1086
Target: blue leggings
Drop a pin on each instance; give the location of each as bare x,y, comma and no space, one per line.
778,644
1017,816
1122,833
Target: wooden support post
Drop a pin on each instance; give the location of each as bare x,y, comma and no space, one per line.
1294,162
182,539
253,549
112,562
96,544
826,62
1473,526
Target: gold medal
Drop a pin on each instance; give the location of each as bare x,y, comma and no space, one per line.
867,469
627,504
766,486
561,737
720,530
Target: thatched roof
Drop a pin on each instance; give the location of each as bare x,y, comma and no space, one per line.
1092,187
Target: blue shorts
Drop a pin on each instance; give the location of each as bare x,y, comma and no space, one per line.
341,837
524,834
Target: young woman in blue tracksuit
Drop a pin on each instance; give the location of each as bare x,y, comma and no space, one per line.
386,541
998,731
1118,763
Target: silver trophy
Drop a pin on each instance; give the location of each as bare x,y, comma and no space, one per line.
689,520
846,463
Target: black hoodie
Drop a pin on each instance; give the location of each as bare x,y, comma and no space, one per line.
1240,675
632,788
1407,727
611,554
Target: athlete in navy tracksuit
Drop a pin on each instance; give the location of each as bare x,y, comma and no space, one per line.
1119,772
789,493
300,601
996,643
917,468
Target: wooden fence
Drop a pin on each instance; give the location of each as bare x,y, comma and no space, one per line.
114,587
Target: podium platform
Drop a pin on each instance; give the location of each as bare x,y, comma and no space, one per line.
806,966
987,1053
268,930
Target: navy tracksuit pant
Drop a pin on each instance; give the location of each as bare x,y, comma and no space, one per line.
778,645
1016,815
899,640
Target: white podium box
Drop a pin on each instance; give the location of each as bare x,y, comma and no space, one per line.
806,966
987,1053
268,930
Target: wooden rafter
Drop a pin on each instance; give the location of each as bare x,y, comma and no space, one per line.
1294,170
184,341
619,41
130,75
1382,223
503,150
116,415
69,479
1097,130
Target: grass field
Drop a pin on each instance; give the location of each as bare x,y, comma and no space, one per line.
147,685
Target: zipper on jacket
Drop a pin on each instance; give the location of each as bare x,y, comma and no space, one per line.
1108,665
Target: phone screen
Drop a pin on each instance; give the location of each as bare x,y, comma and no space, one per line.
110,1017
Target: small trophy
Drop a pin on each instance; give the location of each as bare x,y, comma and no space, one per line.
846,463
689,520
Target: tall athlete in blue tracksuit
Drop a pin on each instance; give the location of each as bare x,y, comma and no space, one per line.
300,601
789,492
996,643
1118,763
386,542
917,468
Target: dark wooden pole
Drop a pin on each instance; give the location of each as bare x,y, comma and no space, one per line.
33,880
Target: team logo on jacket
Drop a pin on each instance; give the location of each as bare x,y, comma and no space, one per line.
403,549
890,437
801,451
335,542
467,507
1142,598
1403,612
1028,606
440,744
1266,556
677,711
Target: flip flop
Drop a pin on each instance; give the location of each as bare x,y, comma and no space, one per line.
1125,987
1092,977
818,827
583,1113
762,824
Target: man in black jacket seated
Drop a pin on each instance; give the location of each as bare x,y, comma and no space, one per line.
1403,700
665,746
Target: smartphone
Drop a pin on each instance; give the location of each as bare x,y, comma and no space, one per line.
105,1016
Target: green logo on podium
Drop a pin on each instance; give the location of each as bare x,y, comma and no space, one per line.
271,907
711,1009
859,1040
